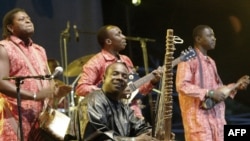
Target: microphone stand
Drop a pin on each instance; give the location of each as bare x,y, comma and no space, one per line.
144,49
145,58
73,90
72,96
145,55
64,38
19,81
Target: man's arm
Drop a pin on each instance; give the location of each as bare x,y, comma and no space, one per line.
88,79
6,86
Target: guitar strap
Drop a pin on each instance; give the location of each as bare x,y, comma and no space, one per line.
200,71
31,68
39,84
208,103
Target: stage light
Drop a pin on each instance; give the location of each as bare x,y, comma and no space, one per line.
136,2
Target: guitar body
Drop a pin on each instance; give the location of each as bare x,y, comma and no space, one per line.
209,103
135,94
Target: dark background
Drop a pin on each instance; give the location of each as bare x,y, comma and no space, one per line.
151,19
229,19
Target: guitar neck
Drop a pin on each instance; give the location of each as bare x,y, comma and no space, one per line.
143,80
150,76
229,90
176,61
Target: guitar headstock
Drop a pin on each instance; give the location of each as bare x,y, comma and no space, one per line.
243,82
187,54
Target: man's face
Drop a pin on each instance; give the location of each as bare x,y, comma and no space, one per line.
118,40
115,81
22,25
207,39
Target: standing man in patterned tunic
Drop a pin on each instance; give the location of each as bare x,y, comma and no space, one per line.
20,56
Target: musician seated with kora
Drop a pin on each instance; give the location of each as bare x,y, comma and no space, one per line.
102,116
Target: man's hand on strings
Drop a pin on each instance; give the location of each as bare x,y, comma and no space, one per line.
157,75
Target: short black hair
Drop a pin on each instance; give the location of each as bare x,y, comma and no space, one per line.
198,29
117,62
8,19
102,34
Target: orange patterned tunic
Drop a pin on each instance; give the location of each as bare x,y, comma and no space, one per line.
18,67
199,124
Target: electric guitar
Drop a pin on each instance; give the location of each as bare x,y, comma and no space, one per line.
133,86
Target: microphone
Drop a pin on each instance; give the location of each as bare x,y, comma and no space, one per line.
58,71
76,33
66,32
67,29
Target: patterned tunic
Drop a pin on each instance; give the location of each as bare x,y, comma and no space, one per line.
199,124
18,67
93,72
